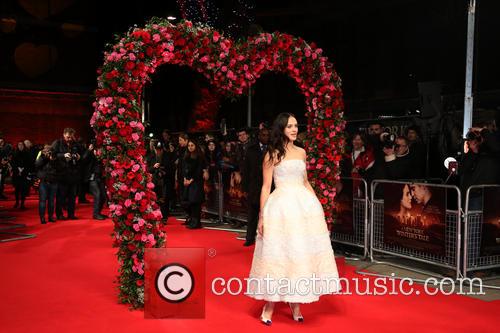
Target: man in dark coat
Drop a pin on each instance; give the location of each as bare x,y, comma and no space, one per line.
252,182
69,153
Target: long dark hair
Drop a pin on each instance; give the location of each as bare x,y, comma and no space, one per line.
278,140
197,154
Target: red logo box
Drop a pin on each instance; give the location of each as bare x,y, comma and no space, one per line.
174,286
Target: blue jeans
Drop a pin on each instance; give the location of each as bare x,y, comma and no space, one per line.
47,192
98,191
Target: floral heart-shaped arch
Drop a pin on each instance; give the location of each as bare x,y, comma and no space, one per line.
231,67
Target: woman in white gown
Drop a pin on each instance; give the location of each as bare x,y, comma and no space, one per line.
293,244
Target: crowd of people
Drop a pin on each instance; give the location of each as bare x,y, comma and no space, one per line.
61,172
379,154
181,165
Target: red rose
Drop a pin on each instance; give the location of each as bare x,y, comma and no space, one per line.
129,65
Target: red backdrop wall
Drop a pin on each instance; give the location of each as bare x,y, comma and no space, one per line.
41,116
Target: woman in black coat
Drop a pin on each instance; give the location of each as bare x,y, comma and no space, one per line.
21,167
194,173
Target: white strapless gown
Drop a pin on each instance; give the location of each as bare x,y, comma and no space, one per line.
296,244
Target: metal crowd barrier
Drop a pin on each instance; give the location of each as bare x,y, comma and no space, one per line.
215,205
450,260
360,205
473,235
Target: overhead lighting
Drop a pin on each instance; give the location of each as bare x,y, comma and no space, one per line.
171,18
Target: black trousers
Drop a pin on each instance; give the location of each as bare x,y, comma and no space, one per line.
194,210
253,220
65,198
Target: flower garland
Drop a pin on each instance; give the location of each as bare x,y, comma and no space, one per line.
231,67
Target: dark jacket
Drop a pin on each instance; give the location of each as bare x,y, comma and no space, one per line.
92,168
401,168
213,163
21,164
70,170
193,169
484,167
47,169
252,176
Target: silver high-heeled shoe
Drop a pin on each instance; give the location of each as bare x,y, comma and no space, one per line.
298,318
263,320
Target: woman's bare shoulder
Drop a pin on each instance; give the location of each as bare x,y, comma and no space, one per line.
301,151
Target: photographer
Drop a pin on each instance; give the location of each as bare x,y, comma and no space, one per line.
92,173
47,167
399,163
480,163
157,162
69,153
375,131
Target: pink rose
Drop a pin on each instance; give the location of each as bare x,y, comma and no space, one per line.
135,136
128,203
136,167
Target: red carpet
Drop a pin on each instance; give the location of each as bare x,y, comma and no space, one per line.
62,281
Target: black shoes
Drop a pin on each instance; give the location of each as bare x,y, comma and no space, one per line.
249,243
42,220
72,217
99,217
194,224
61,218
52,220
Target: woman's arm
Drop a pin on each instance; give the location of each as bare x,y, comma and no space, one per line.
267,173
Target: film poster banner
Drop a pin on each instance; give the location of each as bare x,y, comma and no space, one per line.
211,195
235,199
343,223
415,217
490,236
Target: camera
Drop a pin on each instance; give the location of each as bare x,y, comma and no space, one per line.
74,154
388,140
473,136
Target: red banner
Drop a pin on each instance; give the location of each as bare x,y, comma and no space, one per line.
343,223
